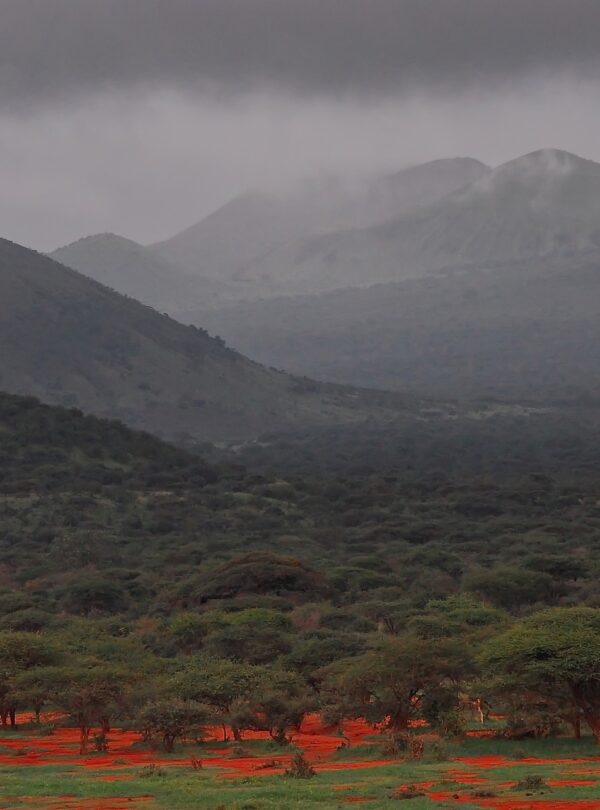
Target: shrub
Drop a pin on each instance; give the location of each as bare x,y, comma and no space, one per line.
300,768
532,783
408,792
439,751
151,770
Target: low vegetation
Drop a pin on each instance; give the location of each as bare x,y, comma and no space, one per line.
145,589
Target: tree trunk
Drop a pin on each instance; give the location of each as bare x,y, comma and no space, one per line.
225,735
84,736
105,725
13,717
278,734
593,721
168,743
399,721
237,734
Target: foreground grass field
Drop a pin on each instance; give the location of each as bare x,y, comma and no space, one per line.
43,771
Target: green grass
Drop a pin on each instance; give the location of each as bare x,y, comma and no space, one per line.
182,788
551,748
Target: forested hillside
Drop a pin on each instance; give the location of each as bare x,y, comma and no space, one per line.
97,519
140,585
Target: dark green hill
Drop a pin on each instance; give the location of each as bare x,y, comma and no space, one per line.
96,519
71,341
46,448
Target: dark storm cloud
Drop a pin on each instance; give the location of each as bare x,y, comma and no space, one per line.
51,48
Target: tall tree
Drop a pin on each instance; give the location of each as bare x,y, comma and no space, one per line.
556,655
387,685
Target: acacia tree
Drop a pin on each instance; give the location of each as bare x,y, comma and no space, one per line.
93,695
554,654
221,684
19,652
262,698
171,720
279,704
387,684
37,687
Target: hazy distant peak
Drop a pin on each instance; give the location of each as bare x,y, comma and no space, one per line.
549,172
103,240
549,157
441,164
437,178
547,162
133,270
241,244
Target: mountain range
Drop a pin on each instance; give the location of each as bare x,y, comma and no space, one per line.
518,331
240,240
446,213
492,291
450,280
71,341
224,253
545,204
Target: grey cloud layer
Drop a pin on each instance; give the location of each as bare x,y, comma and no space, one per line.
51,48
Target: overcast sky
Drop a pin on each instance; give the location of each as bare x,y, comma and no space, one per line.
141,116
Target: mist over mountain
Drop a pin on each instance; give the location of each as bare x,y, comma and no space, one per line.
543,204
546,203
514,332
475,282
136,271
69,340
214,261
490,291
242,241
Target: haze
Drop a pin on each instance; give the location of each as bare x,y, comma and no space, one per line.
141,117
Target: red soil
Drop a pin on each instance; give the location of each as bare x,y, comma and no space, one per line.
537,804
464,777
319,743
486,761
403,789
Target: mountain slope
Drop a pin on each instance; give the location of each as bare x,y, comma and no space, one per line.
234,243
136,271
546,203
518,331
71,341
543,204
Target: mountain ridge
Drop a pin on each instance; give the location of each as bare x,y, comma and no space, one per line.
518,332
542,204
71,341
136,271
268,223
